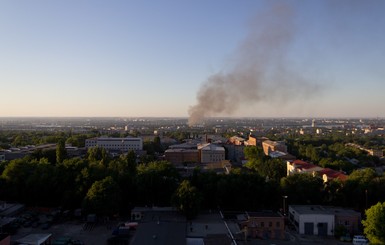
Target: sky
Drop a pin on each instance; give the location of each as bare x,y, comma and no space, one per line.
145,58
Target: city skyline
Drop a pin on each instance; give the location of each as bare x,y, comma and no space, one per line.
152,59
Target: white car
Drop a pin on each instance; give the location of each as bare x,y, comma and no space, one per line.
360,240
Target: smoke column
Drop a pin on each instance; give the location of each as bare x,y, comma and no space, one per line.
259,71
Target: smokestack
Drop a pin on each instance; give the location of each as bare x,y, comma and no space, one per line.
259,73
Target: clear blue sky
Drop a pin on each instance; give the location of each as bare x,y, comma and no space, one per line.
149,58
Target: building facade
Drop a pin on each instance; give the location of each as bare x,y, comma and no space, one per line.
116,144
235,140
299,166
181,156
323,220
210,153
265,225
235,153
327,174
270,146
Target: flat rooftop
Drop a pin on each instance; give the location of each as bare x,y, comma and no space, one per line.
317,209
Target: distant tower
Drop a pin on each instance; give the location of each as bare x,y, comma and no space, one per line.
313,123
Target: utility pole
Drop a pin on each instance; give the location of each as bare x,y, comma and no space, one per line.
284,205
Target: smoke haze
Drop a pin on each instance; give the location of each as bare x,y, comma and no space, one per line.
259,71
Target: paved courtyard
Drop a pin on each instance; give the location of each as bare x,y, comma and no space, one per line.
91,235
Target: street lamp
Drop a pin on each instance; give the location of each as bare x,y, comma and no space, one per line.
284,205
366,198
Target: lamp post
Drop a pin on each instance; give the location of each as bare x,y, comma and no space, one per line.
366,198
284,205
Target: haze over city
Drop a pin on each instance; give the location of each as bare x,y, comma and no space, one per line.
192,58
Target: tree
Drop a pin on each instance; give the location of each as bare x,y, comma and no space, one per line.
15,176
156,183
242,190
97,154
71,182
302,188
273,169
255,157
103,197
253,152
158,145
60,151
206,182
131,161
187,199
374,224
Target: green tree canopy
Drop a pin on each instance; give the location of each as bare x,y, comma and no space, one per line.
103,197
97,154
187,199
374,224
156,183
255,157
302,188
60,151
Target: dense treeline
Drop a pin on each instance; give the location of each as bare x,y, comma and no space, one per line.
10,139
108,186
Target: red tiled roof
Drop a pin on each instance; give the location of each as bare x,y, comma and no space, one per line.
333,174
303,165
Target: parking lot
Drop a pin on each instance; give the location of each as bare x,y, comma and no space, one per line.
88,234
99,233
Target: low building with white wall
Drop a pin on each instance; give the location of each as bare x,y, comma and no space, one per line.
322,220
312,220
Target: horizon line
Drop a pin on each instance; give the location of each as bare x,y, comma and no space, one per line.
208,118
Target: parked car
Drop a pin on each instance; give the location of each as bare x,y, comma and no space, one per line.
360,240
346,238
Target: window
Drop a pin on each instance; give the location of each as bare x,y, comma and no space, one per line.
262,224
278,224
270,224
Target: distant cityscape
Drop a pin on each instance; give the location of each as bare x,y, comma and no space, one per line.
146,124
227,180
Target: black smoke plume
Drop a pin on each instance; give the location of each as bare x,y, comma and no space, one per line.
259,71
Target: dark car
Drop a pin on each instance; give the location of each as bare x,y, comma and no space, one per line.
346,238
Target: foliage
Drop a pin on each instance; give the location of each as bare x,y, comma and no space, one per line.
153,147
60,151
187,199
103,197
302,188
254,156
156,182
37,180
374,224
247,191
271,169
77,140
95,154
206,182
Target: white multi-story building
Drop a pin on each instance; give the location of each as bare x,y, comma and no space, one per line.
116,144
